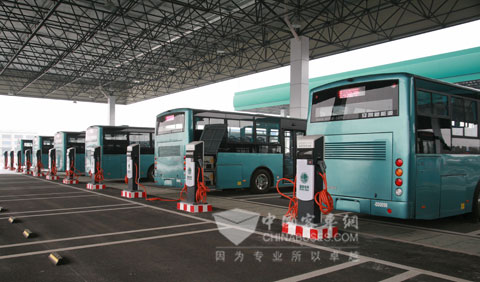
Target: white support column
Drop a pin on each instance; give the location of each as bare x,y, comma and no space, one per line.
299,58
111,109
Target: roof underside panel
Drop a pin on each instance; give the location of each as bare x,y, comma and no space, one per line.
136,50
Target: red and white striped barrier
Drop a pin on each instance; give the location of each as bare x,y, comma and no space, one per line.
69,181
91,186
314,233
194,208
133,195
52,177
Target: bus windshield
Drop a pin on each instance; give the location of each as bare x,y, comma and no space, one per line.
170,123
58,139
92,135
356,101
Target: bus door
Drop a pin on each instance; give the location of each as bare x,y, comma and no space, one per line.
290,151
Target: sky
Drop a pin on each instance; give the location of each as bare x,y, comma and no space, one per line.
46,116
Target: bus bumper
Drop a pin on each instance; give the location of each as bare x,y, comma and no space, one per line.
394,209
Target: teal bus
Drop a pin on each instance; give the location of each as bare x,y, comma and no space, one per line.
240,150
113,142
42,144
399,145
64,140
22,145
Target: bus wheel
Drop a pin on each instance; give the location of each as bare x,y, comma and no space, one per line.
260,182
476,205
151,174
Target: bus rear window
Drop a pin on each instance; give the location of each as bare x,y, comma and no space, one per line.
170,123
58,139
356,101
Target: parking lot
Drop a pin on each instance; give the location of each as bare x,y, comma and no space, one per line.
103,237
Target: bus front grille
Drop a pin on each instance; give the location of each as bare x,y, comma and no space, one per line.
374,150
169,151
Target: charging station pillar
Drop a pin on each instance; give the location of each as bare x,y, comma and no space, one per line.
133,173
19,161
28,161
5,160
12,160
97,173
38,166
309,182
52,166
70,167
193,166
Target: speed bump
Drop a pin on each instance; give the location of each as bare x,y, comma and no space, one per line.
12,219
2,209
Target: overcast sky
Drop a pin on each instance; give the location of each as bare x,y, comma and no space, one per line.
45,116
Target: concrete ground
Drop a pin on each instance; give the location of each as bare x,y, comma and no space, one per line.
103,237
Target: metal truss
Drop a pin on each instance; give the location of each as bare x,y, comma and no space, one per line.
84,50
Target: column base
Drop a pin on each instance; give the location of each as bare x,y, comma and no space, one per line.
314,233
133,194
70,181
194,208
91,186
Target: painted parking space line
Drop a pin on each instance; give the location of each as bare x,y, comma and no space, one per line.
102,235
32,187
322,271
76,212
402,276
49,198
135,240
476,232
262,234
40,194
65,209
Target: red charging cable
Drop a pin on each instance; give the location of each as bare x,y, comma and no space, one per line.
292,211
184,190
323,198
202,189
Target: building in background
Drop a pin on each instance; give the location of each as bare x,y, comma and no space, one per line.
9,140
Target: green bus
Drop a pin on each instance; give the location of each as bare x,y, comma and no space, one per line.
399,145
42,144
113,142
64,140
241,150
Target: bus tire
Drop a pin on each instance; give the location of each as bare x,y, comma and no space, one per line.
151,174
261,181
476,204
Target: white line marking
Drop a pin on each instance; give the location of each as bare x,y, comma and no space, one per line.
418,243
66,209
39,187
102,235
322,271
49,198
41,194
136,240
476,232
76,212
402,276
397,265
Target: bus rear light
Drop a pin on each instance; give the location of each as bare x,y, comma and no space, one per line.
423,206
399,162
398,172
398,192
389,210
398,182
